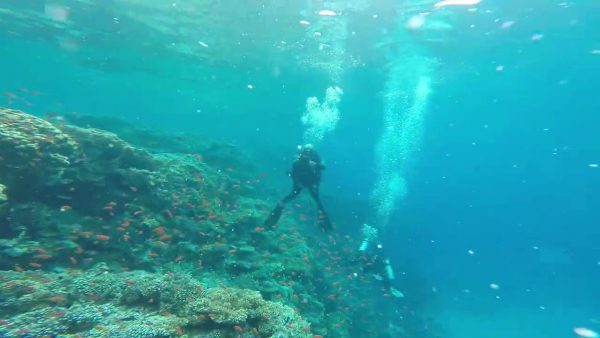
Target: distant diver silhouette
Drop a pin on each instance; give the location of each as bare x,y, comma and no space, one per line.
374,261
306,173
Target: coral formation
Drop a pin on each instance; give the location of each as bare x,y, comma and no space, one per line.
104,303
34,152
3,202
179,227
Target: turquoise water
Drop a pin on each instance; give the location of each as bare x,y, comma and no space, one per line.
468,134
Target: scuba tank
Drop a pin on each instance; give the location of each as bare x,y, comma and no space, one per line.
369,234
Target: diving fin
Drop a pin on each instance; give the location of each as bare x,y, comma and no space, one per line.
274,216
324,221
396,293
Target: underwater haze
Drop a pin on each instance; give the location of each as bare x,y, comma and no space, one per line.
146,145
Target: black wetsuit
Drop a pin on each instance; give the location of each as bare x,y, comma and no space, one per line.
372,261
376,265
306,173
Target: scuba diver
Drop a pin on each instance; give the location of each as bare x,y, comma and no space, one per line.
374,262
306,173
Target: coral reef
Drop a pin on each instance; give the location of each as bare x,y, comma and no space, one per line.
179,227
3,202
104,303
34,152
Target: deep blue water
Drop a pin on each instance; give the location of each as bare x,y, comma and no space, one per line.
504,166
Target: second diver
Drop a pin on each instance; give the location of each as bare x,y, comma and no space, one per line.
306,173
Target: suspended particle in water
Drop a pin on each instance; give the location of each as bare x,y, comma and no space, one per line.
445,3
507,24
542,307
494,286
327,12
499,68
202,44
595,52
471,252
304,22
593,165
250,86
537,37
415,22
585,332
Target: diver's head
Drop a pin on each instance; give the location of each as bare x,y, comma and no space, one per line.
307,150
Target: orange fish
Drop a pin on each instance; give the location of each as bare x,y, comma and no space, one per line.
57,299
164,237
57,314
102,237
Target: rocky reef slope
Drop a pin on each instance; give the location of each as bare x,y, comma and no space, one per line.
102,238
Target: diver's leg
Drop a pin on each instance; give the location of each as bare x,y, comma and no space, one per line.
276,213
296,189
324,221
